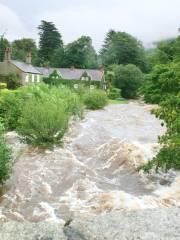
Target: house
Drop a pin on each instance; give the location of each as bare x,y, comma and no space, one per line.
31,74
26,72
92,75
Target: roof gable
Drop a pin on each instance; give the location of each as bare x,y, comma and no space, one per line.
73,74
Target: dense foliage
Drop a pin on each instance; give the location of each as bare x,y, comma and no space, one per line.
165,52
12,80
162,82
43,121
5,157
128,78
21,47
122,48
169,155
80,54
4,43
10,108
162,86
40,113
95,99
114,93
50,40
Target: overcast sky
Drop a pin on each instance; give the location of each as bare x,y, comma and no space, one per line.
148,20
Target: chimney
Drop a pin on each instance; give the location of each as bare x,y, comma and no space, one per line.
7,56
29,58
72,67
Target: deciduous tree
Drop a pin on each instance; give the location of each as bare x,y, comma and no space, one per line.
122,48
21,47
81,53
4,43
128,78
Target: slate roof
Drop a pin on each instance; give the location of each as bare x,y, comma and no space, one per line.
46,71
73,74
24,67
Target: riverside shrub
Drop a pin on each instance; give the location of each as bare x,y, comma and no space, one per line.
5,157
72,101
43,122
128,78
163,87
95,99
10,108
13,101
169,155
114,93
161,83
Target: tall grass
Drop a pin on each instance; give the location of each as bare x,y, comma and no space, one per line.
43,122
45,115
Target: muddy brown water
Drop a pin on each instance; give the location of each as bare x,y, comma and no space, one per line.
94,172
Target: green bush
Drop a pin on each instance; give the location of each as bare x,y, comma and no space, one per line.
114,93
95,99
3,86
72,101
169,155
12,102
161,82
128,78
5,158
43,122
10,108
13,81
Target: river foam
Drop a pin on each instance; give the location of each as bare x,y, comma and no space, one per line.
94,172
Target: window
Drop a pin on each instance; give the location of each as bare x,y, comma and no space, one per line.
27,78
32,76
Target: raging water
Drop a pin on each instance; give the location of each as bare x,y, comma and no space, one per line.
94,172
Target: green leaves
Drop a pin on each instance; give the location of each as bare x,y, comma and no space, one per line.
5,157
164,88
45,114
163,81
128,78
50,40
80,54
122,48
4,43
95,99
43,122
21,47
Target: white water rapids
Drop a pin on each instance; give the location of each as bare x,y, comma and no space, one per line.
94,172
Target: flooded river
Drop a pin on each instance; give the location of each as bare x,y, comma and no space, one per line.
93,173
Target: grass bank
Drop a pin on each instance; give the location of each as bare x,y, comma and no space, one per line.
118,101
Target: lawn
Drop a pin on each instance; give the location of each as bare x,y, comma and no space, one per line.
118,101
